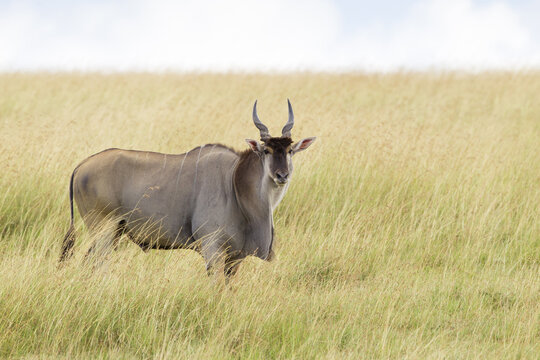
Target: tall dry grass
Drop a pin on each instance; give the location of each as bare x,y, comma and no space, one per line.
411,228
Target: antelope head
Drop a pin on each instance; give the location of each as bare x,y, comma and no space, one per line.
277,152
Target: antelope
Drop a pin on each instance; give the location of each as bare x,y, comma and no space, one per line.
212,199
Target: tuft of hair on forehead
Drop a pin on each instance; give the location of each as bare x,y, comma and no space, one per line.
278,143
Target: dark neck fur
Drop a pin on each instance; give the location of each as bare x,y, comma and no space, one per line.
247,181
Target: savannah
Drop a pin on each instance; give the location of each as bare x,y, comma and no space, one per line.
411,228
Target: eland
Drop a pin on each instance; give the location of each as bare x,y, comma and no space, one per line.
212,199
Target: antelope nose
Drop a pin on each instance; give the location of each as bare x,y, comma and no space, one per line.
282,176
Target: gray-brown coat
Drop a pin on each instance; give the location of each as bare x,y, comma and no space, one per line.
212,198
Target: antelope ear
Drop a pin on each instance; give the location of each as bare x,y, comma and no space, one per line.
303,144
255,146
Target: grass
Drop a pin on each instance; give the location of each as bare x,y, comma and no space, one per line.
411,228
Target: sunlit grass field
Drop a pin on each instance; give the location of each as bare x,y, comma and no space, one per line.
411,228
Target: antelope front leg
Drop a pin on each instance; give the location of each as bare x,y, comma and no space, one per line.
232,263
214,255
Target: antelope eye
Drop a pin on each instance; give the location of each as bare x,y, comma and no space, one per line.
290,151
266,152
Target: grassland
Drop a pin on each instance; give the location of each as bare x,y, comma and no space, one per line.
411,228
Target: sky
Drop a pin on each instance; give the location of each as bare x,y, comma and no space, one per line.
272,35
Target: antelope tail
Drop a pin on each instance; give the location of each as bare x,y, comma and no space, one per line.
69,239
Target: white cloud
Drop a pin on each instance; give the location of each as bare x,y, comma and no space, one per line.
447,34
257,35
